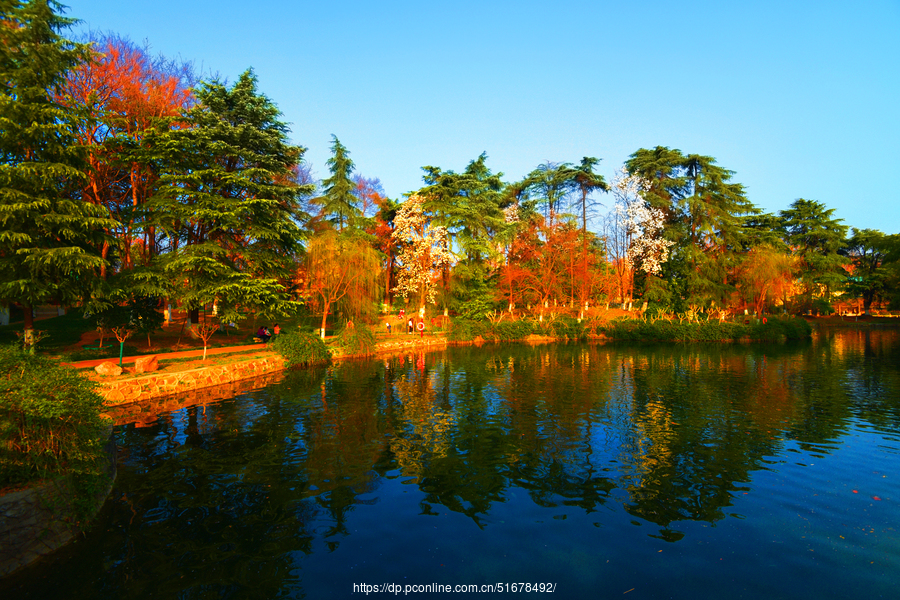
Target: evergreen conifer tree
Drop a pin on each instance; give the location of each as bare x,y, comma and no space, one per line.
816,237
339,201
229,200
48,234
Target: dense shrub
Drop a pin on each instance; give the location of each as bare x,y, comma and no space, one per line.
466,330
562,327
50,425
300,348
513,330
568,327
780,328
357,340
707,331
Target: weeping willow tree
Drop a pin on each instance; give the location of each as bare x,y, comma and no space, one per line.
342,271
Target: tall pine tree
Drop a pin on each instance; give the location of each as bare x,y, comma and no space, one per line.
705,215
339,202
229,200
816,237
48,234
470,206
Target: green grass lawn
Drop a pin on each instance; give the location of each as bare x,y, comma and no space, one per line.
59,332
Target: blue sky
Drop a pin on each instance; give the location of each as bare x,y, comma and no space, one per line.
799,99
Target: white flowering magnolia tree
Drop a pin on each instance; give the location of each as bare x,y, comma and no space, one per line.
634,232
424,252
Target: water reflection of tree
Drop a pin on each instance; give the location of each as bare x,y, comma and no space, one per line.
557,460
213,491
345,435
442,434
709,417
872,377
678,429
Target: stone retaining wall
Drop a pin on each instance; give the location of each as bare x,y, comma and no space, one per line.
37,520
162,384
145,411
141,399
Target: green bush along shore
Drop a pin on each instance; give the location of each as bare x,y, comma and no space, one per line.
50,426
770,329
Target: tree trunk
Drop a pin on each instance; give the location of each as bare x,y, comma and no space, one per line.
324,319
387,279
103,254
29,327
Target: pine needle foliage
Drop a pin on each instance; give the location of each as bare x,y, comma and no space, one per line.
339,202
229,199
48,234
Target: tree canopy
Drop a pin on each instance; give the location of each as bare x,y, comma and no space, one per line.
227,200
49,234
124,178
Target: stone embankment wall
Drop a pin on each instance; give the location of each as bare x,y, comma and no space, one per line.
145,411
37,520
178,386
161,384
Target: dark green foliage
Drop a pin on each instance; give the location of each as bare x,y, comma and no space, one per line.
479,300
705,215
774,329
56,333
466,330
778,328
50,420
139,314
48,235
339,201
663,330
228,196
550,184
513,330
300,348
816,238
145,316
507,331
586,182
567,327
821,306
357,340
470,205
868,250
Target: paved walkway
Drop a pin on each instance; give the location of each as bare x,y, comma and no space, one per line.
85,364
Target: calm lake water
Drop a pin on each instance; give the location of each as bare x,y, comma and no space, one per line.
649,471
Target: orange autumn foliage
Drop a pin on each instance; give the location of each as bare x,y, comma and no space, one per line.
122,93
